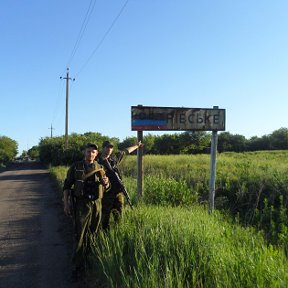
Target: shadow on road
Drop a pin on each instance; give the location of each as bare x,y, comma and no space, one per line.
35,235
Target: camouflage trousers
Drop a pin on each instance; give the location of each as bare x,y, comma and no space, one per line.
112,202
86,226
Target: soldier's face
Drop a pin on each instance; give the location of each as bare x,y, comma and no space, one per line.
90,154
108,151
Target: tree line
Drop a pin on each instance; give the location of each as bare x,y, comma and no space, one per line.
52,150
8,150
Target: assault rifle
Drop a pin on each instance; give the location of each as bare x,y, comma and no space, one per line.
118,180
72,204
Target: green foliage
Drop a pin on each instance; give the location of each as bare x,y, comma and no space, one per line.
251,186
52,150
33,152
194,142
259,143
149,144
279,139
177,247
193,170
59,174
183,143
167,144
8,149
168,191
228,142
187,247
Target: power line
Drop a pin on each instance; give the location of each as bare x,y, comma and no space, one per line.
104,36
57,105
82,30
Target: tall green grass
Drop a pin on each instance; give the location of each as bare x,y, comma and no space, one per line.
175,243
185,247
251,186
58,173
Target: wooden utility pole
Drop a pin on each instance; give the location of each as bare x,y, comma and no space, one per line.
51,130
67,78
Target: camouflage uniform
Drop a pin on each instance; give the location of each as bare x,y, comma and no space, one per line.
113,201
87,208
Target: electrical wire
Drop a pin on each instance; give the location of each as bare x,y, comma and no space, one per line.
103,38
80,36
57,104
82,30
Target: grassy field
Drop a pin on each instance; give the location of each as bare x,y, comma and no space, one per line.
252,187
170,240
186,247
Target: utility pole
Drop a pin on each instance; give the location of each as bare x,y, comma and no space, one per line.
51,130
67,78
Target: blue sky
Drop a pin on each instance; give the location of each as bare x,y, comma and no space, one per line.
188,53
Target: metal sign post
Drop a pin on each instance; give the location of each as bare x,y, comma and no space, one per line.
214,140
140,166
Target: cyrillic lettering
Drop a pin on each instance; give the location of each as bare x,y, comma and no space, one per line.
199,119
182,119
216,119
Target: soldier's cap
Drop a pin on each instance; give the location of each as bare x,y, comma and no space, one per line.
107,144
91,145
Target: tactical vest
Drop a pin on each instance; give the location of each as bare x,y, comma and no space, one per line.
88,187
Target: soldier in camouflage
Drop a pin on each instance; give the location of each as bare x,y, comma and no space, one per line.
84,186
113,200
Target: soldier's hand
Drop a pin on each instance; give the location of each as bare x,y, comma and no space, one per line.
105,180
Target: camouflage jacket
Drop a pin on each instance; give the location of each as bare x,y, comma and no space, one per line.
86,180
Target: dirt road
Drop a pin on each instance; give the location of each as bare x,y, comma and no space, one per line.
35,240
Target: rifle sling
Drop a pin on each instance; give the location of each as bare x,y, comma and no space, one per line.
92,172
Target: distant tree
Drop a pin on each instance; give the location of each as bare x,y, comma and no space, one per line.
224,142
279,139
228,142
8,149
33,152
194,142
149,143
24,154
167,144
258,143
52,150
239,143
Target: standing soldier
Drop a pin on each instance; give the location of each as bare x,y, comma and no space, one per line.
113,201
83,187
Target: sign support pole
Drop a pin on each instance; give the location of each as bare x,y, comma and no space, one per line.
212,180
140,166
